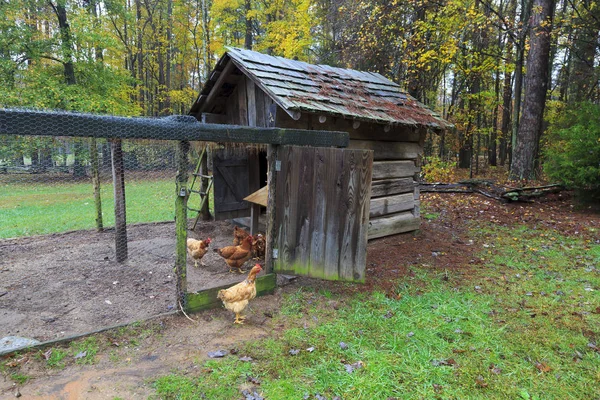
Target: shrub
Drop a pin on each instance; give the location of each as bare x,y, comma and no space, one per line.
436,170
572,153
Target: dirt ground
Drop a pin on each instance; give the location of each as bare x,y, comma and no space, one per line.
175,342
64,284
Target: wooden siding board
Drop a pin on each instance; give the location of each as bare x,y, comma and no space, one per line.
388,187
319,205
334,214
392,204
394,224
394,169
389,151
251,106
347,237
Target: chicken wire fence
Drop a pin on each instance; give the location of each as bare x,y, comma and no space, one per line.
78,190
58,241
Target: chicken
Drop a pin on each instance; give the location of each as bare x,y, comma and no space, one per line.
197,249
236,256
239,235
236,298
259,246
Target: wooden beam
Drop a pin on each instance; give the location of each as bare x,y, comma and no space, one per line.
181,222
392,204
391,225
389,150
118,174
387,187
209,118
217,86
270,235
207,299
95,166
176,127
394,169
251,106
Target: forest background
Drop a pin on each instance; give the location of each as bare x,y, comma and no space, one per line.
517,78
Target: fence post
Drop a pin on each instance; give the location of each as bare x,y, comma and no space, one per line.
181,194
118,172
96,182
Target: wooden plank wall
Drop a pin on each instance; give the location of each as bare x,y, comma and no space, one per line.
322,203
395,205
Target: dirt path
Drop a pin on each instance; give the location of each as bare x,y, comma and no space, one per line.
157,347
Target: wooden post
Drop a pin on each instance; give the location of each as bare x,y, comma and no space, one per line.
204,211
253,186
96,183
181,221
118,173
272,157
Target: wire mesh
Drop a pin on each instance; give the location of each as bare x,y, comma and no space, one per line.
60,274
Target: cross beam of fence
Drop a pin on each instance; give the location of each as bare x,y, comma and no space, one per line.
175,127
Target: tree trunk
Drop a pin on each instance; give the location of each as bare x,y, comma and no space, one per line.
519,58
583,75
248,36
525,154
506,107
66,42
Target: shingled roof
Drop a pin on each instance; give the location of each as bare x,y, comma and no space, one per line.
299,87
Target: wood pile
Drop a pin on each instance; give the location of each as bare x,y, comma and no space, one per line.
493,190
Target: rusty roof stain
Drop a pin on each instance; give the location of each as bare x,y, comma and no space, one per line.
322,89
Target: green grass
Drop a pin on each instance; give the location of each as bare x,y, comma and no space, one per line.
57,358
40,208
85,350
19,378
523,327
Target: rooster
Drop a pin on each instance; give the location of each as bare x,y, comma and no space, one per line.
236,256
239,235
236,298
197,249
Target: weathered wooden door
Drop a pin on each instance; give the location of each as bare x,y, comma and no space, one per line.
322,212
231,183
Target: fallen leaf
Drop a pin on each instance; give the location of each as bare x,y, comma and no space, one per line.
47,354
480,382
252,379
217,354
352,367
543,367
450,362
495,370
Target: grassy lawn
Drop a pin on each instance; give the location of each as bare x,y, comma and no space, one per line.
525,326
40,208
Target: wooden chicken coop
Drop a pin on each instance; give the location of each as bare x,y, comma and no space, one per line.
254,89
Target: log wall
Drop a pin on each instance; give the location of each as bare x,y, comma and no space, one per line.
395,205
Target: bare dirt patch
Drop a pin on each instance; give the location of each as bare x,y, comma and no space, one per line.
64,284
